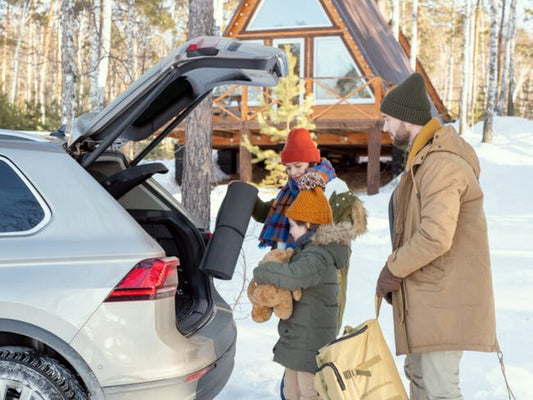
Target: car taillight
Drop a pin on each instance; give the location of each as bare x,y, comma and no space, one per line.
199,374
150,279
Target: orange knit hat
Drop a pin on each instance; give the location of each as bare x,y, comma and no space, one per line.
299,147
311,204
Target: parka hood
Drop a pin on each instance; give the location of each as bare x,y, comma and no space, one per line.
447,139
336,238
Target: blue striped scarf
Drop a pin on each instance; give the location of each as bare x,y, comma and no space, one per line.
276,227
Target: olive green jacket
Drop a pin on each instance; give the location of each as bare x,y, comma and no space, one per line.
313,268
346,208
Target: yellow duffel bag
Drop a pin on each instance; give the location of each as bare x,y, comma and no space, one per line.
359,365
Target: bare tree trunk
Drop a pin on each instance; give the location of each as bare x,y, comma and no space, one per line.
68,60
7,32
501,48
522,77
28,79
131,41
475,44
493,76
105,50
44,66
451,62
395,20
414,34
198,166
512,42
467,69
95,38
482,62
82,25
502,95
16,56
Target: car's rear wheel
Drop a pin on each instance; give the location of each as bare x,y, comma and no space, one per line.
26,374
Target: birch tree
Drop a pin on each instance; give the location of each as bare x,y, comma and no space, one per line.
45,60
474,38
414,34
198,146
7,30
95,39
502,94
451,62
132,68
68,61
105,51
16,56
467,68
512,43
493,76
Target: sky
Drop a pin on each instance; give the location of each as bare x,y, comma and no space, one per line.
506,179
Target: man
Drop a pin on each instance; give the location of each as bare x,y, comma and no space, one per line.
438,276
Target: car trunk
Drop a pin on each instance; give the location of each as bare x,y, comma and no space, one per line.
155,104
164,219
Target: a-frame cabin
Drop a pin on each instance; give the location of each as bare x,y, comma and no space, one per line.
348,58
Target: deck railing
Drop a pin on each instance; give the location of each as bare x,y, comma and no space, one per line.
244,103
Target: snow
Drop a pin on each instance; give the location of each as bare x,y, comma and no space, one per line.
506,174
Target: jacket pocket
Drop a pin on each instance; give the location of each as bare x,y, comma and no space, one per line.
431,273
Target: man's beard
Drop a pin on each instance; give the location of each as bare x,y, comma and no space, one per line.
402,138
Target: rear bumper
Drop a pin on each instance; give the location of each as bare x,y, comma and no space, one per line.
136,352
212,383
205,388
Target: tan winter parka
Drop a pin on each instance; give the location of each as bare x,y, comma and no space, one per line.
440,249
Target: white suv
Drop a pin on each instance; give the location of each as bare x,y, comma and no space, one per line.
106,284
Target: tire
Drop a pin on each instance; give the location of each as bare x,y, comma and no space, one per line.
24,372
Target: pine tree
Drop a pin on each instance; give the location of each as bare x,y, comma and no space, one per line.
281,113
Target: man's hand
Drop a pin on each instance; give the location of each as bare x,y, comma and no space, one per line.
387,283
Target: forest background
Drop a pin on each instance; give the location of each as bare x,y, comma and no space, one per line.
62,58
101,46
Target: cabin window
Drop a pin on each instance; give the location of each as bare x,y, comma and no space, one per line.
336,76
296,14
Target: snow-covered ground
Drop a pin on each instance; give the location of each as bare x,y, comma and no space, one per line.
506,178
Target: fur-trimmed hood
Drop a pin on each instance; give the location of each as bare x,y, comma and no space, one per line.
342,233
335,239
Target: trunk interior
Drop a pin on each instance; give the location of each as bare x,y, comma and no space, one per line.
164,219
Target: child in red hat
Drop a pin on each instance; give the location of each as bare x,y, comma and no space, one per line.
299,155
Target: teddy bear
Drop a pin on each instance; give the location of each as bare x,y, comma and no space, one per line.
269,298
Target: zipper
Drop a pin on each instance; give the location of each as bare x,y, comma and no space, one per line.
335,371
349,336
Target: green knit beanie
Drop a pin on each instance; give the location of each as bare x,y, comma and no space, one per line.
408,101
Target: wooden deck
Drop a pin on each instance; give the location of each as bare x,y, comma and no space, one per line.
342,124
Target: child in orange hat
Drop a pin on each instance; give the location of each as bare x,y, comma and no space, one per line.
322,249
299,155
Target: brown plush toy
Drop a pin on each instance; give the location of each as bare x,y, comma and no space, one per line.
269,298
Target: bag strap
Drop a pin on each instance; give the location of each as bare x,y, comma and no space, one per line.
378,301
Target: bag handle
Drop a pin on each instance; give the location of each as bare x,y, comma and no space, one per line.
378,300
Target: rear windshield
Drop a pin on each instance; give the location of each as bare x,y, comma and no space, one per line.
20,210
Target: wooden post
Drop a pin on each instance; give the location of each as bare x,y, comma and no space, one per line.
374,152
245,159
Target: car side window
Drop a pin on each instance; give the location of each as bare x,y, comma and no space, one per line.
20,209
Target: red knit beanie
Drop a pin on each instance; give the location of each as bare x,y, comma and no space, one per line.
300,147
